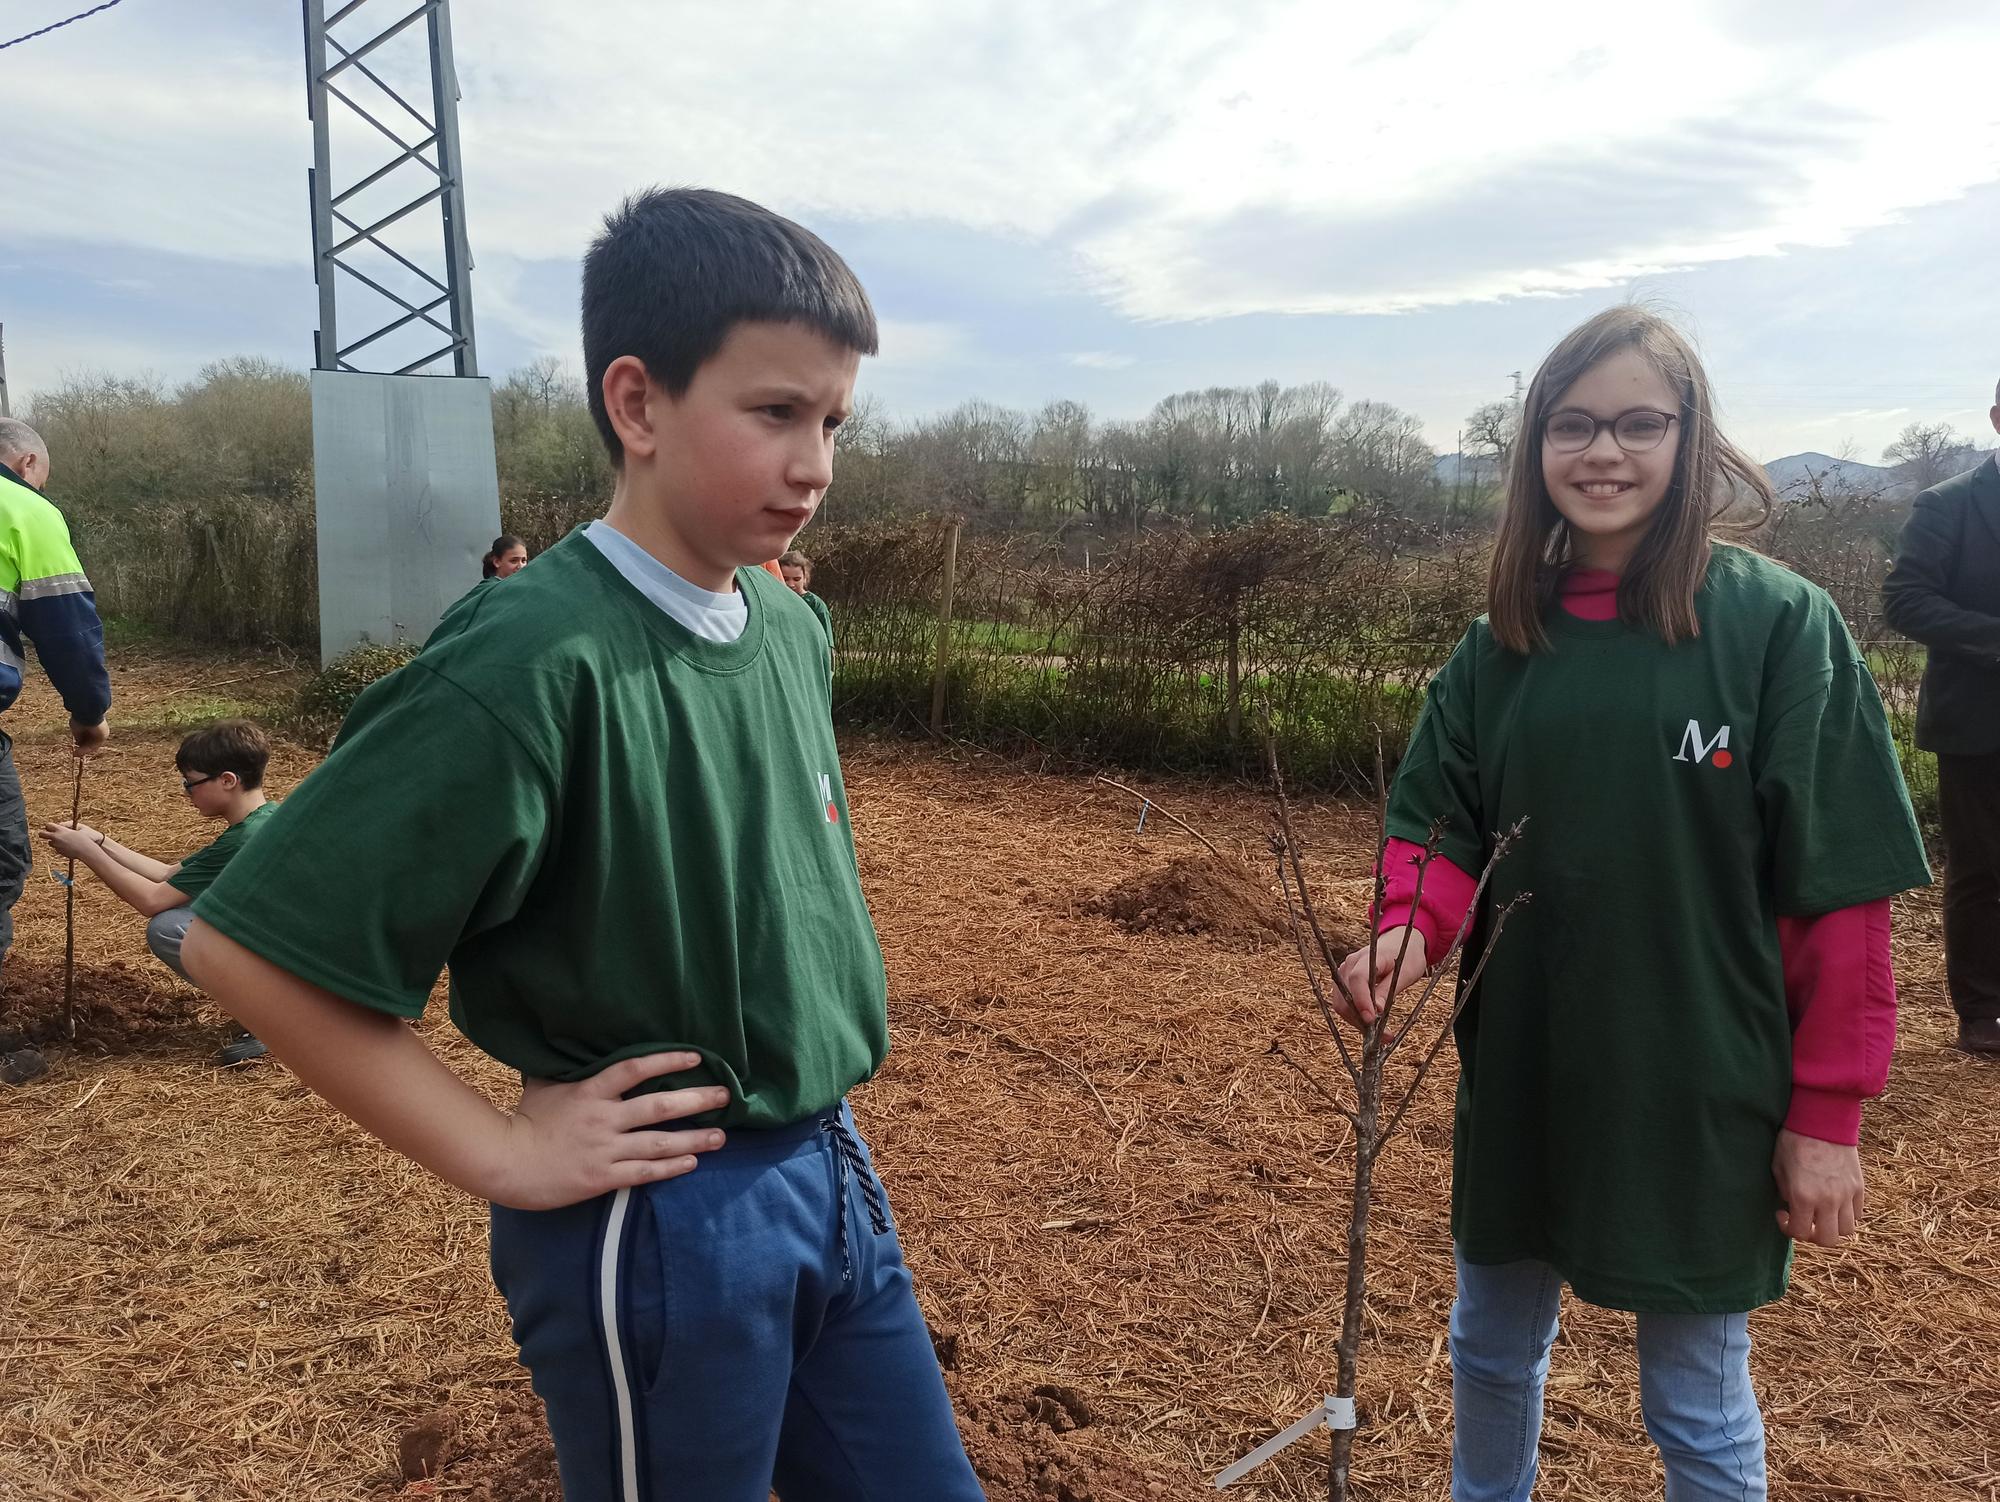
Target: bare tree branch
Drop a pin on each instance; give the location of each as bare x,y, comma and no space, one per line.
1365,1073
1174,818
1298,871
1444,1032
1326,1012
1502,843
1431,844
1313,1080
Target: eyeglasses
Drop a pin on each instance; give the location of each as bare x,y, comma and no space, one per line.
189,784
1571,432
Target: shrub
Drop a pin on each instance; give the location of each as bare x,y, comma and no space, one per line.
234,569
328,695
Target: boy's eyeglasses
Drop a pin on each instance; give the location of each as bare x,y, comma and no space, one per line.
189,784
1635,431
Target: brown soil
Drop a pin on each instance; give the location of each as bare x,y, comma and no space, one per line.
506,1457
120,1007
213,1286
1038,1447
1026,1447
1219,899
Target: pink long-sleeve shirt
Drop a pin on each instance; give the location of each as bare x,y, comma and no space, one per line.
1840,984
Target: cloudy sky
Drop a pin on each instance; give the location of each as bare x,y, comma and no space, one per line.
1108,200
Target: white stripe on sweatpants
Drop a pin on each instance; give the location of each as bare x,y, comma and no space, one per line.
614,1353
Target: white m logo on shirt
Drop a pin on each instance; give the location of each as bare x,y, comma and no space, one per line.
1691,740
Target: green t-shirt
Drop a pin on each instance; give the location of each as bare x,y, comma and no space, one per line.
621,838
198,872
818,607
1626,1062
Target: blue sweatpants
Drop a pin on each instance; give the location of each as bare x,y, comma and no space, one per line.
746,1327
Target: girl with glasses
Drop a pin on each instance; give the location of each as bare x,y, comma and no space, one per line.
1662,1069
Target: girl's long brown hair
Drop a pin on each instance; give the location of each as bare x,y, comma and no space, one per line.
1711,476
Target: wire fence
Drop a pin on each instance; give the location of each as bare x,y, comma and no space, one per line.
1170,650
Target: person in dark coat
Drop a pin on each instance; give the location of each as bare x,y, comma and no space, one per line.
1944,591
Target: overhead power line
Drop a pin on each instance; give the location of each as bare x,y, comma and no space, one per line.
59,25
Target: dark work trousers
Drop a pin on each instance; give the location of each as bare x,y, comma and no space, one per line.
1969,809
17,855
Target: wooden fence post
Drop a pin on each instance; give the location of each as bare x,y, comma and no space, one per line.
944,629
1235,690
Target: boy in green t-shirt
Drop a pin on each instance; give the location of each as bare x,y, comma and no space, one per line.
222,774
608,797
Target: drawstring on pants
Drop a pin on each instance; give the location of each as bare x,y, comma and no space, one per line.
848,1159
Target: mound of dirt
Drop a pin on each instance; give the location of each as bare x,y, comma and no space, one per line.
428,1445
1034,1448
508,1459
119,1008
1198,894
1024,1449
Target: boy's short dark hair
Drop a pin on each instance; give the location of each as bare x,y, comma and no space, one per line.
675,269
796,559
237,746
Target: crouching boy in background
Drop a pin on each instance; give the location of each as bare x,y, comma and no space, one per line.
222,775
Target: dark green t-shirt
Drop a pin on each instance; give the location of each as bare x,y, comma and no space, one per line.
620,837
198,872
818,607
1626,1062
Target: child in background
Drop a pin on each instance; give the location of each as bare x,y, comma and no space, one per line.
506,558
222,775
1661,1073
798,572
608,796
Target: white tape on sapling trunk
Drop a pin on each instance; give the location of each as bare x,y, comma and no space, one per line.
1333,1413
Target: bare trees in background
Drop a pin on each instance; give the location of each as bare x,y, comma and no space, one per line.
241,427
1927,452
1490,432
544,441
1215,456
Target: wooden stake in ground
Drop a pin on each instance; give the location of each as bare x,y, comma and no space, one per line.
69,914
939,677
1376,1111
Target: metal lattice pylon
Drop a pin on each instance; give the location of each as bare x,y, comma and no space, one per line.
352,216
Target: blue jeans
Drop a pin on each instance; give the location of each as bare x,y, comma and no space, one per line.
1694,1390
746,1327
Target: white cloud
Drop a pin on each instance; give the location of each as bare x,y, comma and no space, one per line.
1271,156
1098,359
907,344
498,294
120,149
1859,415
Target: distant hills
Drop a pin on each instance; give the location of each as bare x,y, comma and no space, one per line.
1792,477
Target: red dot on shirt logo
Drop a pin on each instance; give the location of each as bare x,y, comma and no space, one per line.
1722,758
832,814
